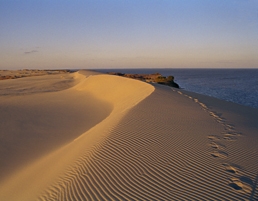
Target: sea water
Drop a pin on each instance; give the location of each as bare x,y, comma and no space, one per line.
235,85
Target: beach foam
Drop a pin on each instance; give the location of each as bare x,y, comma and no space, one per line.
148,144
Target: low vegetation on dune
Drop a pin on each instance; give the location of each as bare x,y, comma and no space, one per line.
154,78
14,74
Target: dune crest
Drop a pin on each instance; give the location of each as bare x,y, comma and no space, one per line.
155,143
52,168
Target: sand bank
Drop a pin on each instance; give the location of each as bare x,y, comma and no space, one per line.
112,138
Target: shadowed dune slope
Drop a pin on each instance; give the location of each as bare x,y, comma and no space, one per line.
40,114
164,144
95,103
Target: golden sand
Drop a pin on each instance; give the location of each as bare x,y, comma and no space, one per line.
90,136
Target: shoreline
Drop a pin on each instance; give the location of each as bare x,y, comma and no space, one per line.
130,73
226,84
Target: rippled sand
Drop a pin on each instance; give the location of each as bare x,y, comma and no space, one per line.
91,136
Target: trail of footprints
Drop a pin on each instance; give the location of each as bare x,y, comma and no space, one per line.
239,182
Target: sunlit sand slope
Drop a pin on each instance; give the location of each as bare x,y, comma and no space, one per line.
164,144
92,106
40,114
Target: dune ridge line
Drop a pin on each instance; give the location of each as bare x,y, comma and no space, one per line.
152,143
125,95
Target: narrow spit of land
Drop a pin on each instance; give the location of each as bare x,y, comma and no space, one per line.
14,74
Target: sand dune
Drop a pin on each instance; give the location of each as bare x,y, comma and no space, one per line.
104,137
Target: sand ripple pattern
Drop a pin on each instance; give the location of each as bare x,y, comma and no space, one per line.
237,179
151,155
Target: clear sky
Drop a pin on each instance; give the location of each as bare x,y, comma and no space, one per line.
128,34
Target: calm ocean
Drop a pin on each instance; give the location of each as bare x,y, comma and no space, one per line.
235,85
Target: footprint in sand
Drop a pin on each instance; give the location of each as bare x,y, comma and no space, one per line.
217,145
243,184
196,100
232,133
213,137
219,154
230,126
231,168
203,105
229,138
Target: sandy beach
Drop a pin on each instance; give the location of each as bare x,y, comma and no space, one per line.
92,136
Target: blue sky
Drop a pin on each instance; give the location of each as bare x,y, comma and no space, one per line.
128,34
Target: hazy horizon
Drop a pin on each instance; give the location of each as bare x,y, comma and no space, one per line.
98,34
